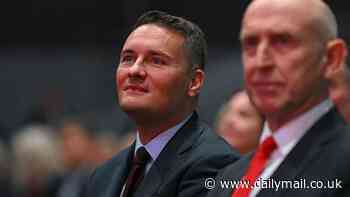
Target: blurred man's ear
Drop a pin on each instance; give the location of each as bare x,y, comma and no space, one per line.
335,57
196,83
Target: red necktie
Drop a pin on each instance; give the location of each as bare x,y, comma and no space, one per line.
137,171
256,166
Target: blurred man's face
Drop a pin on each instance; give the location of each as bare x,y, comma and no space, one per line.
282,57
241,125
339,90
153,74
75,145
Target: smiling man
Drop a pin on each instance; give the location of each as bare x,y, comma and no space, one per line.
159,77
289,49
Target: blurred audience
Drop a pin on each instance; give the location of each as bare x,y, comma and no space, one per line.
47,159
110,144
37,157
79,154
77,143
5,171
339,89
239,123
84,148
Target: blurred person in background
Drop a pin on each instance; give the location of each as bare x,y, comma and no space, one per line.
82,152
126,140
78,142
83,148
159,78
5,171
37,158
239,122
339,89
110,144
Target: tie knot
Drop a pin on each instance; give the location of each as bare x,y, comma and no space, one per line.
268,145
142,156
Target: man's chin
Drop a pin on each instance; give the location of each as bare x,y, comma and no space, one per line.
133,108
127,107
267,109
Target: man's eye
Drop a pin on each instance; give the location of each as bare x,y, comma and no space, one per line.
127,59
281,40
250,42
250,45
158,60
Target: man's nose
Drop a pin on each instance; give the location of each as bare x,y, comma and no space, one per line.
137,70
264,56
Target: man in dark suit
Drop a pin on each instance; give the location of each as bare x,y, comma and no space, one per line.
160,74
289,48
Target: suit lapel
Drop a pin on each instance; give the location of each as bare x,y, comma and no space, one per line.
121,172
169,157
306,150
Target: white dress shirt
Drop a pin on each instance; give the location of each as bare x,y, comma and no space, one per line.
288,136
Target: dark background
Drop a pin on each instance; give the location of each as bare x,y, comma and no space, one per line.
59,56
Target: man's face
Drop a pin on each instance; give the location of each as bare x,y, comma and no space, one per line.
282,58
153,74
241,125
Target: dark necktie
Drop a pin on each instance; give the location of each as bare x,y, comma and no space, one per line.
256,166
137,171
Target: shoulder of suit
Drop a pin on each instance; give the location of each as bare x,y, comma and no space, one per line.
209,144
234,169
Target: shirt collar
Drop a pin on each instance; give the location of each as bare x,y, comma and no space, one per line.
288,135
156,145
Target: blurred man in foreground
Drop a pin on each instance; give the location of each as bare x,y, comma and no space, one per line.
289,47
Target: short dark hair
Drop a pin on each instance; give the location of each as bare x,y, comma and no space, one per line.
195,44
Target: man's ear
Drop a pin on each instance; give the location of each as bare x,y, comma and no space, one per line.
196,82
335,57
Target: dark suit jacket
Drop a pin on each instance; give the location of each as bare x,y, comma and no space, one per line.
321,154
193,154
